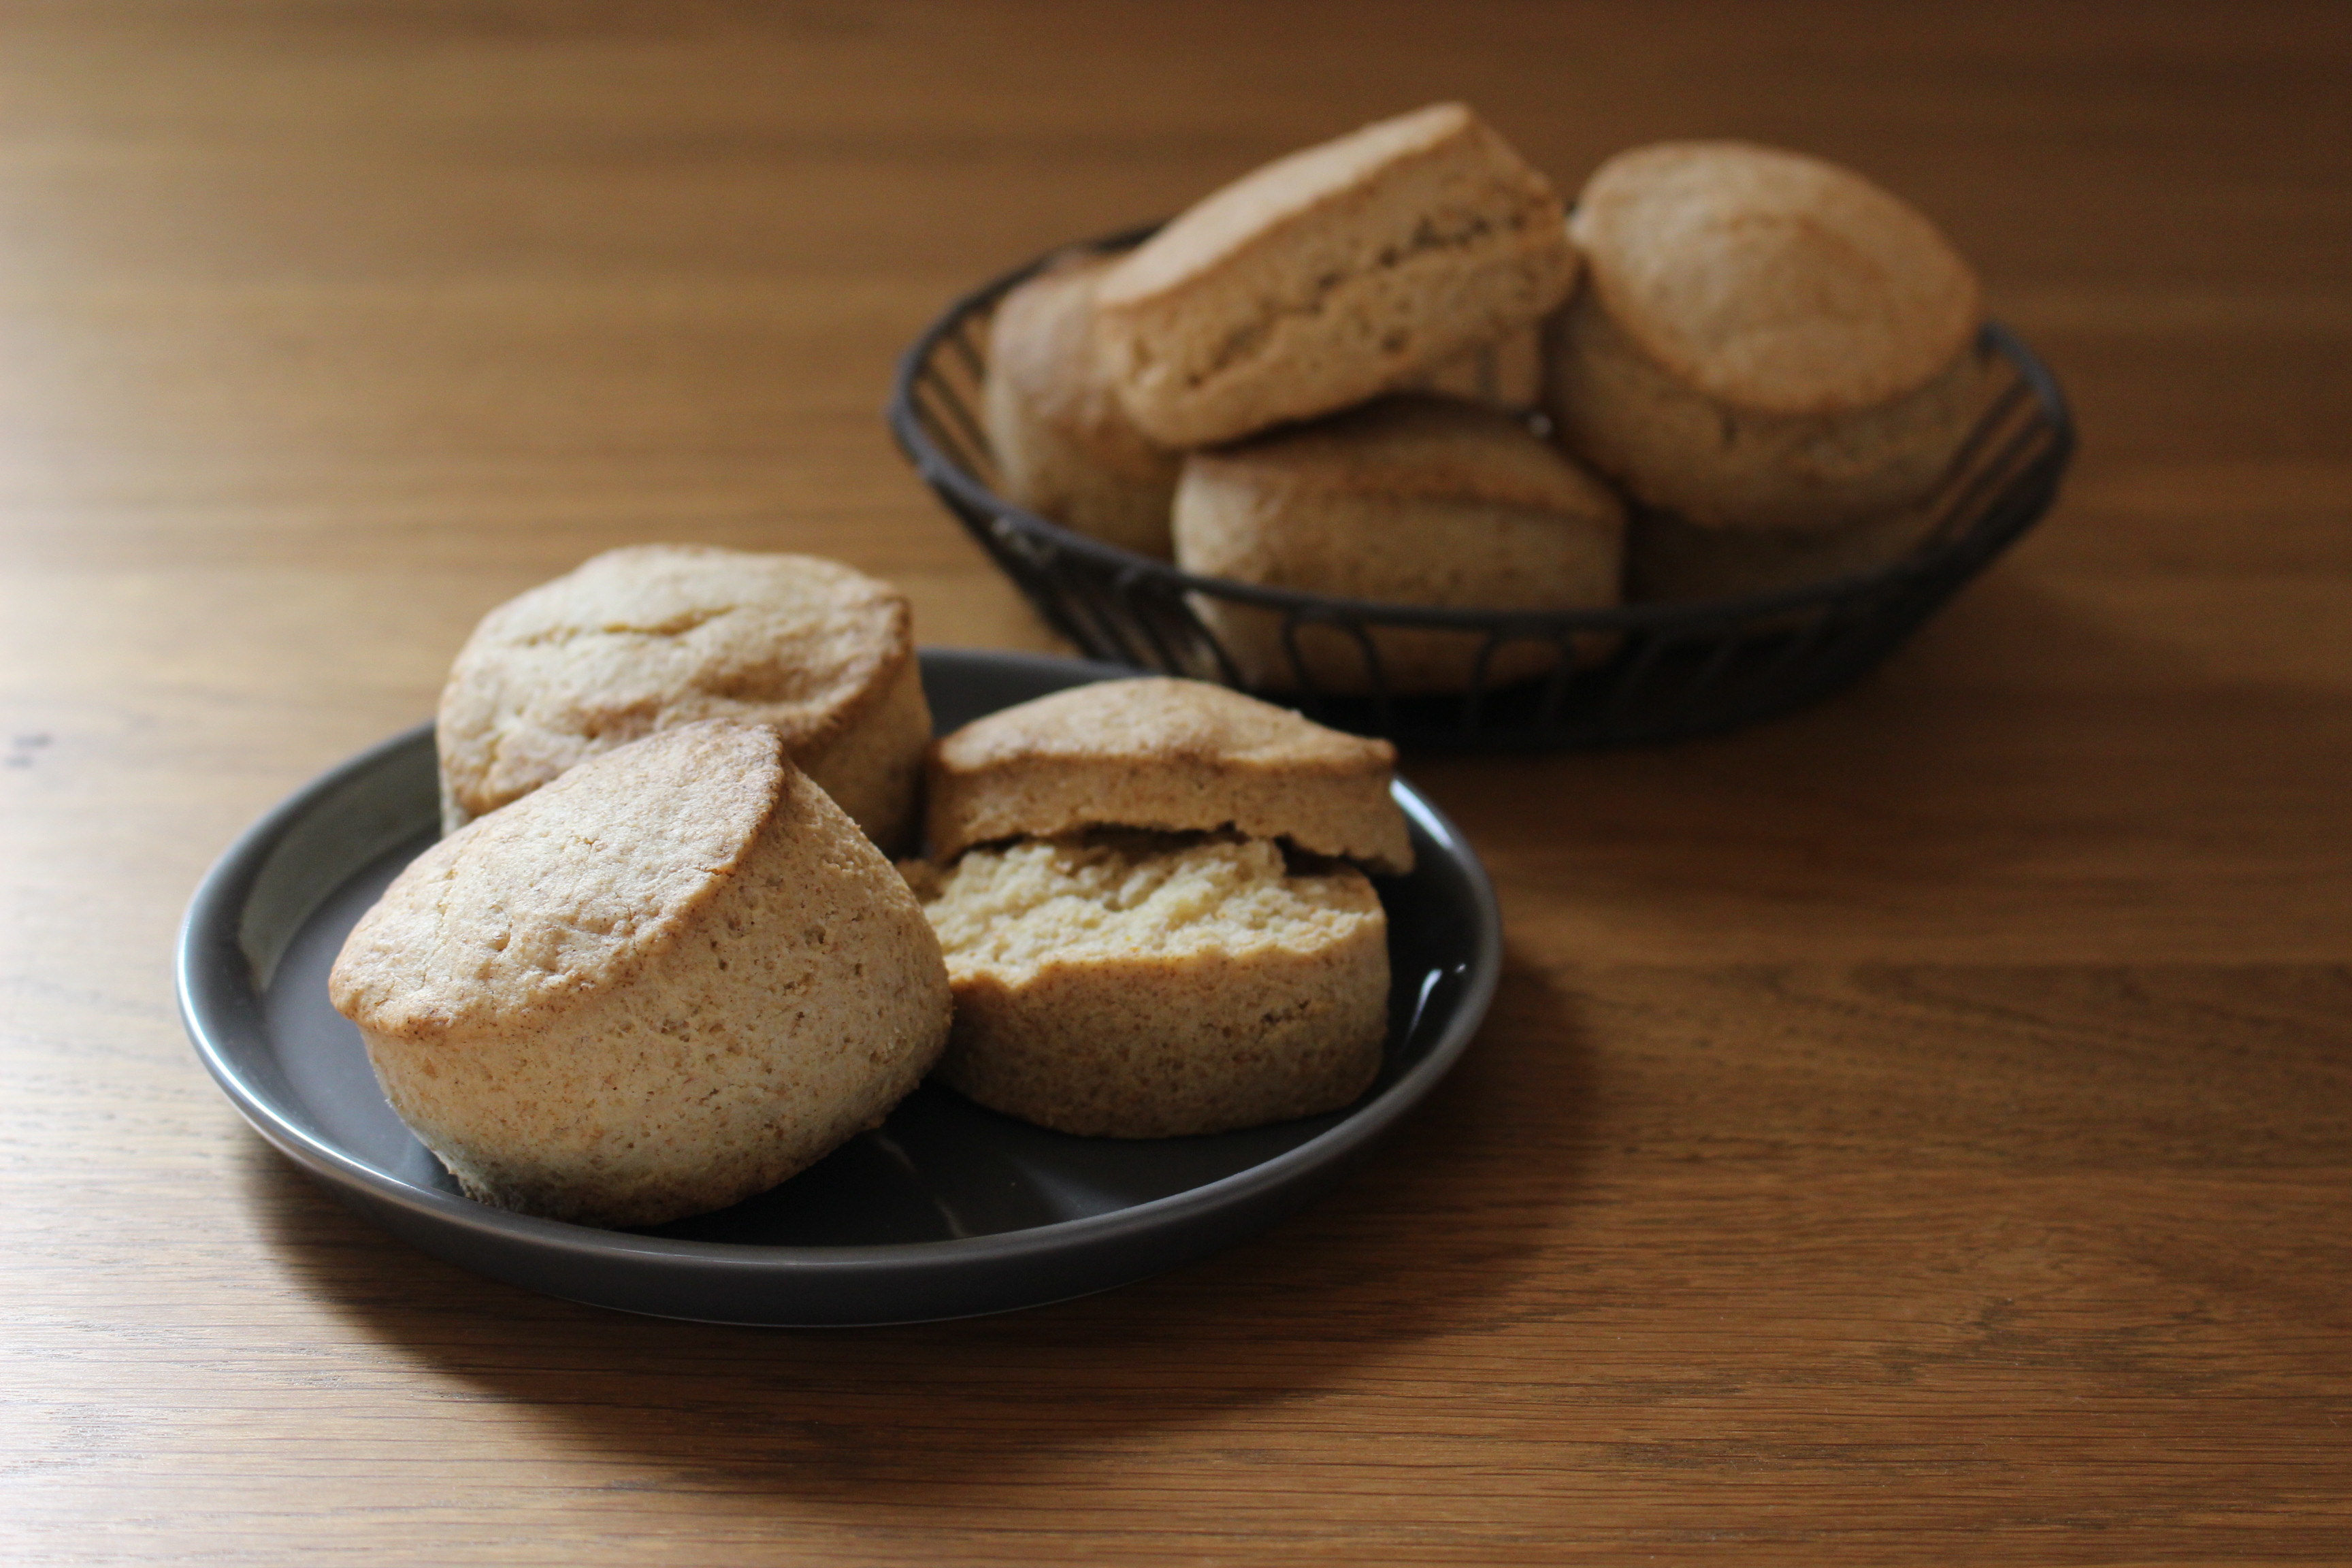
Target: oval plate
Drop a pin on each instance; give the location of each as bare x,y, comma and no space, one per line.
947,1210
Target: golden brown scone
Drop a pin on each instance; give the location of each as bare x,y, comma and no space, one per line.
1506,375
1170,755
1331,275
1415,501
640,639
1119,987
1064,446
663,982
1763,339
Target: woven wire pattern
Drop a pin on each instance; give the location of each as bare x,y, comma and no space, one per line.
1633,673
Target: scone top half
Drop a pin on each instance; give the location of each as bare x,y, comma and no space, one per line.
1166,755
666,981
1771,281
652,636
1331,275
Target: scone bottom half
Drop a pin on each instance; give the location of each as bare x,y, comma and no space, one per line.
1118,986
1151,926
660,984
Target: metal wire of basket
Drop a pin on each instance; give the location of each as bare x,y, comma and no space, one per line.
1667,670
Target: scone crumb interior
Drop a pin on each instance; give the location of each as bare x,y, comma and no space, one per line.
1028,905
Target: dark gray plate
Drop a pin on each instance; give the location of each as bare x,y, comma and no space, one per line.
945,1211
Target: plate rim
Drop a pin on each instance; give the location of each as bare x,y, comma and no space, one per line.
210,995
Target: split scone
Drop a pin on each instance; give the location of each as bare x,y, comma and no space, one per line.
1171,756
1414,500
1064,446
665,982
1148,925
644,638
1763,341
1331,275
1132,986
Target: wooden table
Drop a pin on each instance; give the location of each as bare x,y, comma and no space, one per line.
1917,1131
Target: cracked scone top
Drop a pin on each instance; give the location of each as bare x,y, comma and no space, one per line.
1171,756
1331,275
660,984
651,637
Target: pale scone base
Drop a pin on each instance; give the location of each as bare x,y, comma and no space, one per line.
1159,1048
1117,1003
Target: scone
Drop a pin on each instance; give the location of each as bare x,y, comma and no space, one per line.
1331,275
1763,341
1415,501
1118,986
1507,373
1147,925
644,638
1064,446
663,982
1171,755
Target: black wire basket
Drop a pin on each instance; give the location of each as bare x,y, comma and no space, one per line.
1633,673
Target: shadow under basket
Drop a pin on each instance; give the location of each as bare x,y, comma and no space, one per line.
1633,673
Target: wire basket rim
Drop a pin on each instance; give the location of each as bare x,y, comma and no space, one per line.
1986,535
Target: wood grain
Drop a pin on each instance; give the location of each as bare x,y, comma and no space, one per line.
1919,1131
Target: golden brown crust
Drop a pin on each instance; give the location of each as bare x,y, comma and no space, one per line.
1422,447
660,984
646,638
1064,446
1769,281
1170,755
1331,275
1417,500
1676,450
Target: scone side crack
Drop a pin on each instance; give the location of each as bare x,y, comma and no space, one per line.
1243,341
